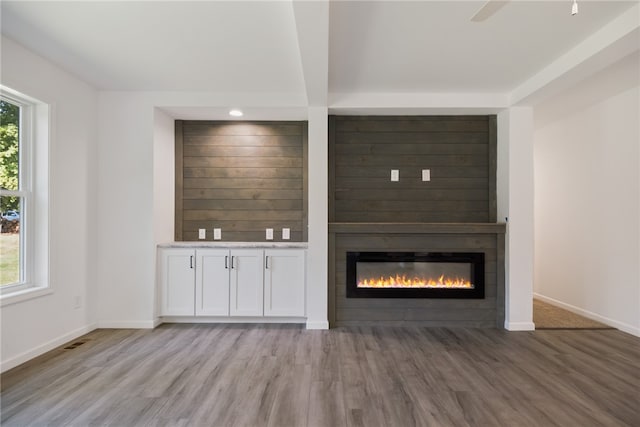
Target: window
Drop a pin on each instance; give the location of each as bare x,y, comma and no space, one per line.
23,194
15,194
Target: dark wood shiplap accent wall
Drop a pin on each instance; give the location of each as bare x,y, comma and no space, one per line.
242,177
453,212
485,238
460,152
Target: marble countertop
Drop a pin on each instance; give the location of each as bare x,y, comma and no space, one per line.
231,245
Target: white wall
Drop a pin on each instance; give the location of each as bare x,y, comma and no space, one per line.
163,182
587,195
514,182
163,177
32,327
136,193
318,252
126,253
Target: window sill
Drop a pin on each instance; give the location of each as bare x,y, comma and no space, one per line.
24,295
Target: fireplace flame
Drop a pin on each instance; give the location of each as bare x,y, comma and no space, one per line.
415,282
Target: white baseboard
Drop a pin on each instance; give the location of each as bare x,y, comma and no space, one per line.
590,315
224,319
324,324
135,324
48,346
519,326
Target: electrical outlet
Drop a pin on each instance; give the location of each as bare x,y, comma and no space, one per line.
77,302
217,233
202,233
426,174
286,234
395,175
269,233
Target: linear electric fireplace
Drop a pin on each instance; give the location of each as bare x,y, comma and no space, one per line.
415,275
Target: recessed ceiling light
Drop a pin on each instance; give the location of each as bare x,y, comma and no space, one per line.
235,113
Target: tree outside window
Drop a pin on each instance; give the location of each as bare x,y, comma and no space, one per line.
11,198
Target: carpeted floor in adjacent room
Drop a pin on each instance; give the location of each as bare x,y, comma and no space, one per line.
547,316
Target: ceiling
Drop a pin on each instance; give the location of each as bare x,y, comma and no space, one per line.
430,46
262,46
165,45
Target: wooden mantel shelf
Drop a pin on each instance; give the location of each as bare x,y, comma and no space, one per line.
417,228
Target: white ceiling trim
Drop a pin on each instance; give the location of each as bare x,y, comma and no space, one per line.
488,10
418,103
217,99
249,113
312,27
215,105
614,41
618,78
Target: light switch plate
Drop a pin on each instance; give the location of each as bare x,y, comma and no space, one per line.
202,233
217,233
269,233
286,234
426,174
395,175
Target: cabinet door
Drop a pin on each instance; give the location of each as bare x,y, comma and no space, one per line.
212,282
246,288
178,282
284,282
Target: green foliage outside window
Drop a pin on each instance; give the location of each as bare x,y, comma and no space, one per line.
9,153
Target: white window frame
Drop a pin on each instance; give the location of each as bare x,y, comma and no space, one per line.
33,191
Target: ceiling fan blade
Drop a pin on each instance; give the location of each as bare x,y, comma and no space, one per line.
488,9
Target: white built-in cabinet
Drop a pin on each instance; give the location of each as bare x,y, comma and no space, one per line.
246,288
232,282
284,271
211,282
178,281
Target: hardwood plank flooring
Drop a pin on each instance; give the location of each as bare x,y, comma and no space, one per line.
284,375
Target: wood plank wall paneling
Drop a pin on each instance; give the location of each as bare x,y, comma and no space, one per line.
460,152
369,212
242,177
487,312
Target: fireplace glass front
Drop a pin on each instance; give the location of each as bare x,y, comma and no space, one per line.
415,275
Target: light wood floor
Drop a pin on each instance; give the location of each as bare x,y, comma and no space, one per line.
251,375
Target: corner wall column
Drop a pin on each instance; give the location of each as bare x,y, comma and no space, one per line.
317,254
515,205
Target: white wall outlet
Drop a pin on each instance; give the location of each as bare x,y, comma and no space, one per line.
286,234
395,175
217,233
77,302
426,174
202,233
269,233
